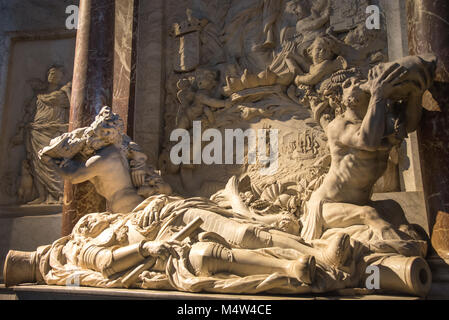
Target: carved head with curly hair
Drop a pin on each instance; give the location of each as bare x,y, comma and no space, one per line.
107,129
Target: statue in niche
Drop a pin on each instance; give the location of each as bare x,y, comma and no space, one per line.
46,117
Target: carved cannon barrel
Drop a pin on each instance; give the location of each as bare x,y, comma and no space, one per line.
410,275
20,267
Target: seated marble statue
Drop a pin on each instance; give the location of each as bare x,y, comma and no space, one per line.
360,141
235,250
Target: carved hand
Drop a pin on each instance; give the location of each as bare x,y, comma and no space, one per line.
138,177
151,213
159,249
382,82
156,249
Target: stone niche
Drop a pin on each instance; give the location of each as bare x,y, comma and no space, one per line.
33,37
31,58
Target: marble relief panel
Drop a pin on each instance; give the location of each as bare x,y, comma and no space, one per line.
36,110
251,65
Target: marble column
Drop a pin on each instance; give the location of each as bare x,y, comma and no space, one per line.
428,28
125,56
91,90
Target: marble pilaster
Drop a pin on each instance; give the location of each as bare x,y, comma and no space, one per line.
126,15
92,89
428,27
150,77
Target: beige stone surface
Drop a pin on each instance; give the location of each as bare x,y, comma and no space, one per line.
53,292
440,235
27,233
412,204
149,87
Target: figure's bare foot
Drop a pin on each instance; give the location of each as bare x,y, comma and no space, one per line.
337,251
304,269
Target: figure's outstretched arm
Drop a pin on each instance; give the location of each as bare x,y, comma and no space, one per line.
318,72
78,172
373,126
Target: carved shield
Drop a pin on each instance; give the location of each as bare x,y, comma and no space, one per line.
187,56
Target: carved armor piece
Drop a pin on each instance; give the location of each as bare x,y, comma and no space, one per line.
110,262
208,258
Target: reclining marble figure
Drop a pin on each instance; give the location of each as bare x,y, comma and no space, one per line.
235,251
103,153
